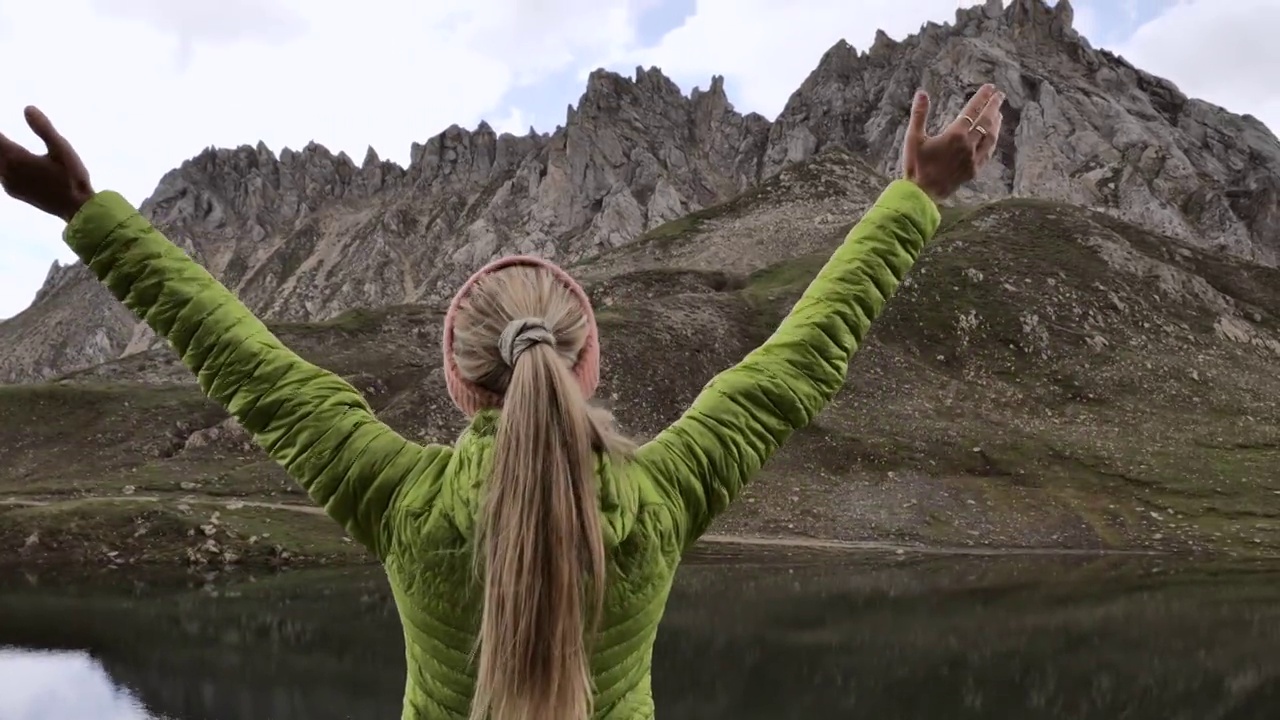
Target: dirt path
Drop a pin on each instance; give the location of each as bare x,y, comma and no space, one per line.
794,542
232,504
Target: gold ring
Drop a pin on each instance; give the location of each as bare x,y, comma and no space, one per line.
972,123
980,130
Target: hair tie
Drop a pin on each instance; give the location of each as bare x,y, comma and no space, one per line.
520,335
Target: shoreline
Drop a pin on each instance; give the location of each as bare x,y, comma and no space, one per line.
228,533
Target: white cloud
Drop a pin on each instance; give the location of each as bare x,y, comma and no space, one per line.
540,37
141,85
514,122
1223,52
230,21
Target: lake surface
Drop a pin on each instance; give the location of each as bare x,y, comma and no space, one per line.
749,635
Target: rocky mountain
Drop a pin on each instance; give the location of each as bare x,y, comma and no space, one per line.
308,235
1048,376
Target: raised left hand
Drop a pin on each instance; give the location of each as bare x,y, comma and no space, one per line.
940,164
56,182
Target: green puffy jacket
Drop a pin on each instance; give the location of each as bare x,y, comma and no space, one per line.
415,505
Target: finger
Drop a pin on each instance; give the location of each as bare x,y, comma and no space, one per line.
986,131
43,128
11,151
986,145
58,147
990,114
974,107
916,130
917,124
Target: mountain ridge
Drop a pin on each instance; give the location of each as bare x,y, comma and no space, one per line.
1048,376
308,234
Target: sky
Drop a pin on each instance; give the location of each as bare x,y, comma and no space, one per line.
138,86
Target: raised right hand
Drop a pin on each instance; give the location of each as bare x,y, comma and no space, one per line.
56,182
942,163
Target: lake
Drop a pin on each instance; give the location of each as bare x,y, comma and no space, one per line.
750,634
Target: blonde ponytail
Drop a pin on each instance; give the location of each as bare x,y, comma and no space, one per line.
540,544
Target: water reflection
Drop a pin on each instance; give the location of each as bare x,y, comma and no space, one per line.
747,636
43,685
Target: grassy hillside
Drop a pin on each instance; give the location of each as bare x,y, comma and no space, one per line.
1048,376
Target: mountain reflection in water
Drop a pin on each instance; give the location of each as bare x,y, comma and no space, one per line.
748,636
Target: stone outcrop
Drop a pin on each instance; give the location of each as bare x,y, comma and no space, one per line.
1080,125
308,234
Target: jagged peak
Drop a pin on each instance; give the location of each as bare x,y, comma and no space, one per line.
218,155
53,270
1020,18
311,149
715,91
986,17
1038,12
57,275
840,60
882,45
607,89
603,79
601,83
991,19
841,49
455,133
655,79
606,86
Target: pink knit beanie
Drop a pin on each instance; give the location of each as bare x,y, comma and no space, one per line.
470,397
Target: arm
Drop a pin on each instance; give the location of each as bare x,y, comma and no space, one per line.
309,420
703,460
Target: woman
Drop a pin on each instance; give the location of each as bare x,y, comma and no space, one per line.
576,535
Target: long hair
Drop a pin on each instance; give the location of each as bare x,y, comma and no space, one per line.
540,551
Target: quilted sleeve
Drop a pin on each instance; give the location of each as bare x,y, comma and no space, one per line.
312,422
702,462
